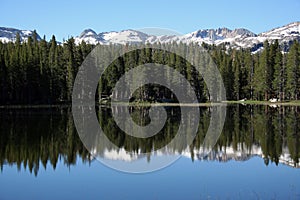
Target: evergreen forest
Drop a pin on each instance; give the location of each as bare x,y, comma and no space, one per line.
43,72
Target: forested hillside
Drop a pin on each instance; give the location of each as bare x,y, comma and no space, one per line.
42,72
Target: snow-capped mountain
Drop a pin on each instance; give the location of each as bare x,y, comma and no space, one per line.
9,34
210,36
216,36
237,38
122,37
89,36
285,35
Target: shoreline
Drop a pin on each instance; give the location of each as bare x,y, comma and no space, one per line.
146,104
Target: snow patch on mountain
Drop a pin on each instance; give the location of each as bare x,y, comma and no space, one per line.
126,36
10,34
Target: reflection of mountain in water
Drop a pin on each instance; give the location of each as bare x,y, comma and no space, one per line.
224,155
34,137
228,154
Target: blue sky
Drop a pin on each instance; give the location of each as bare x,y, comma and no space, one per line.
70,18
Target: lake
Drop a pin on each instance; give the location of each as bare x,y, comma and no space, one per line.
255,157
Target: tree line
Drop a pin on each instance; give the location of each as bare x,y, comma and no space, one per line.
41,72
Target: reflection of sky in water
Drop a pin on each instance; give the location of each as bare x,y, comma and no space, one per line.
182,180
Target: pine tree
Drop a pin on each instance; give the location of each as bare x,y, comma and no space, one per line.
262,78
53,65
279,81
44,71
293,71
267,64
3,76
237,76
69,55
249,75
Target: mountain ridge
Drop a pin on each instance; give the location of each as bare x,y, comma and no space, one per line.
236,38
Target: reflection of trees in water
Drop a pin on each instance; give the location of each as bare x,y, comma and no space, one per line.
31,137
271,128
140,115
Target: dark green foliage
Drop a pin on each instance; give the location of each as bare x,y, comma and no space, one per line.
279,81
41,72
293,72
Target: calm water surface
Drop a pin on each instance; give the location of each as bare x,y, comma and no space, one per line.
256,157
